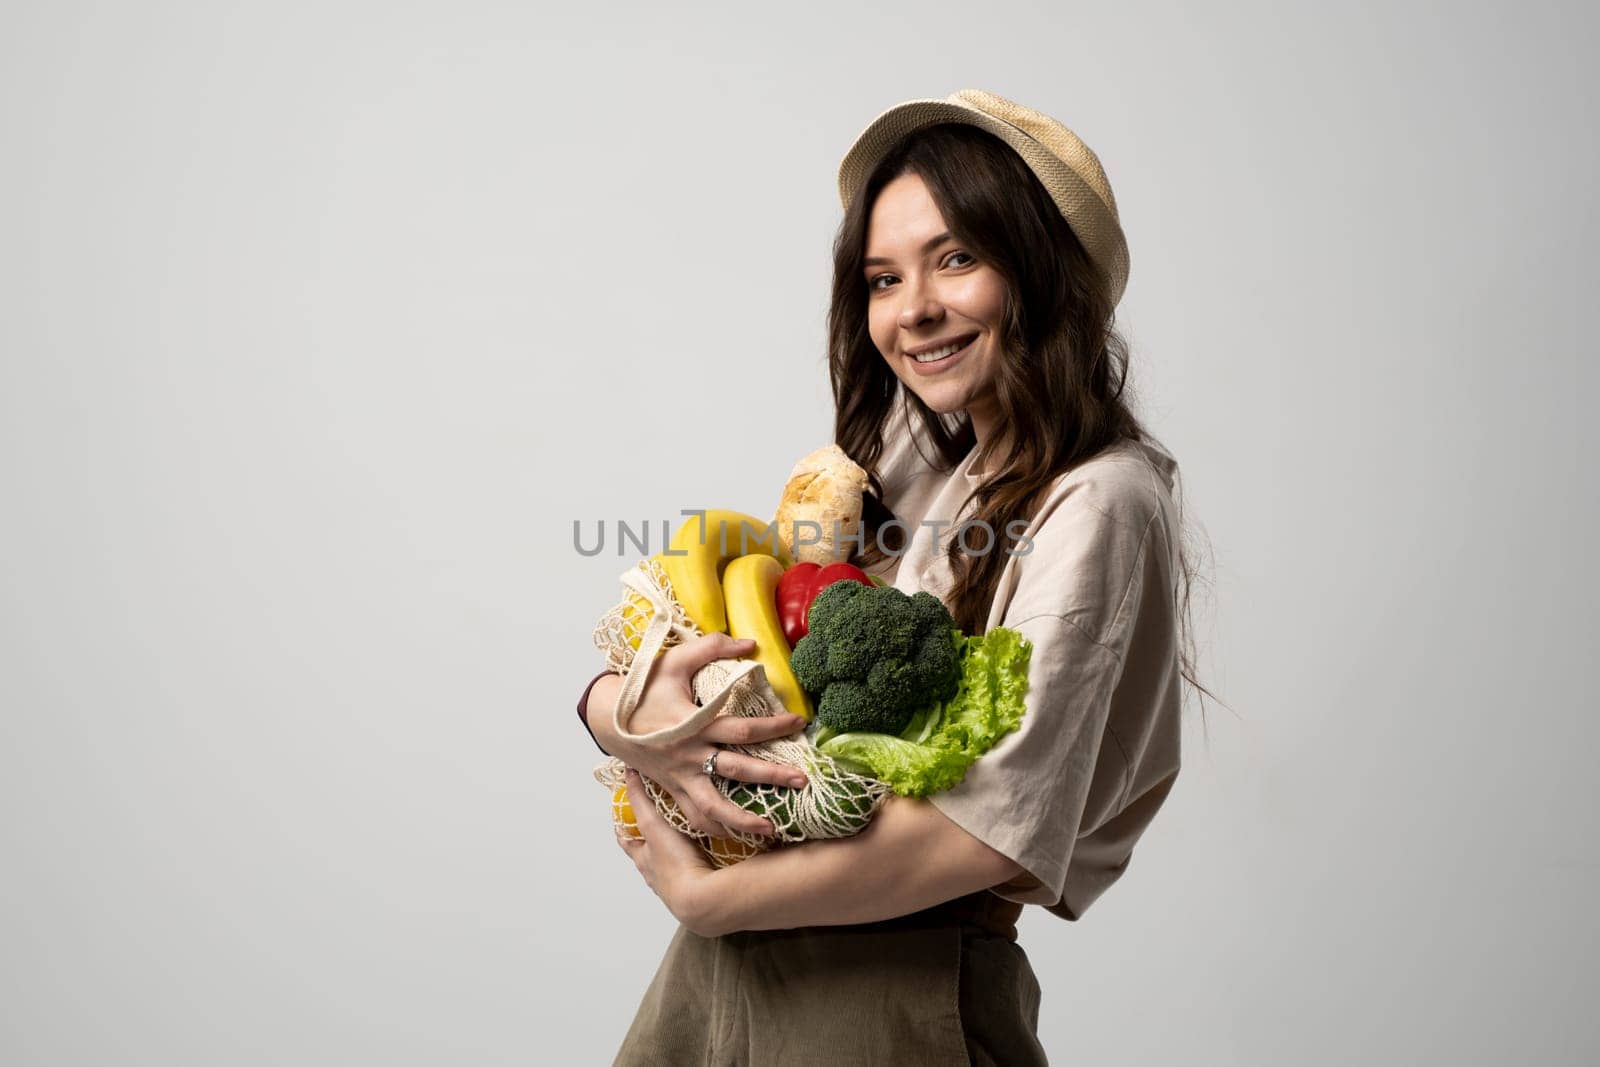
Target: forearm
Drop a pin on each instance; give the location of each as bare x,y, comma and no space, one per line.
910,857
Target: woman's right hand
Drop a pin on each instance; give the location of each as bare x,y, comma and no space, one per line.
676,766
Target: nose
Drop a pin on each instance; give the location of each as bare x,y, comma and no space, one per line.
921,305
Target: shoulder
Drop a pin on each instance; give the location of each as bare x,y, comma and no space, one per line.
1105,525
1129,482
1133,475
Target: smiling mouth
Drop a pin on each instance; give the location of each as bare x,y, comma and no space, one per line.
946,352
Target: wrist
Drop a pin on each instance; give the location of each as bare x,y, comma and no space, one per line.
597,712
700,908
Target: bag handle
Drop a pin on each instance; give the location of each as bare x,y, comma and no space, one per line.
662,622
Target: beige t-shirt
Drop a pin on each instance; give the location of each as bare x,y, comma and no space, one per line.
1069,793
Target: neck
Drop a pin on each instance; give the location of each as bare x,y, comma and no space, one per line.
991,439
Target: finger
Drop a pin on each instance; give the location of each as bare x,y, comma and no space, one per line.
727,812
665,846
654,824
633,848
697,819
701,821
743,768
750,729
690,656
645,816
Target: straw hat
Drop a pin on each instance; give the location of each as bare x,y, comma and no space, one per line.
1064,164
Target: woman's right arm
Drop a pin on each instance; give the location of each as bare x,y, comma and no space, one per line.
676,766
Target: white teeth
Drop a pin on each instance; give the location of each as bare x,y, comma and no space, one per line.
940,353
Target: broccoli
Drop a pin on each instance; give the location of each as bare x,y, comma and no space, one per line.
874,657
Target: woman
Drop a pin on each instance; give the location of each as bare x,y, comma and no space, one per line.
977,377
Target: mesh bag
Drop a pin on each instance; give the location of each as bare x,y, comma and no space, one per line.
620,630
648,620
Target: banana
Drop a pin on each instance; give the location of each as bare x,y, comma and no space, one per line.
749,589
700,551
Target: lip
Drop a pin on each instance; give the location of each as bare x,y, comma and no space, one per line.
917,350
929,369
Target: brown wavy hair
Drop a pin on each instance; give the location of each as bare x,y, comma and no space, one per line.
1059,379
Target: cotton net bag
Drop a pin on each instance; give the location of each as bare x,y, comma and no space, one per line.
834,802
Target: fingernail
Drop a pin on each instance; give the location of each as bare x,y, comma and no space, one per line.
797,782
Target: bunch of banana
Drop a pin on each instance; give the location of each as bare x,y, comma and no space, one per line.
702,549
724,568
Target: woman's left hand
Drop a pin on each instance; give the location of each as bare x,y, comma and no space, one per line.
673,865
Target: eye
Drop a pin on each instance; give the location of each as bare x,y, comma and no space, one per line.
872,283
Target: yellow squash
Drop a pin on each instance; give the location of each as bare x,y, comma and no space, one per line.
700,550
749,589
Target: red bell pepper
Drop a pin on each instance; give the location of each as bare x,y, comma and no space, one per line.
800,585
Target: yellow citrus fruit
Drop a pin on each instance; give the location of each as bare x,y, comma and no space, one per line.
622,812
729,849
622,809
635,617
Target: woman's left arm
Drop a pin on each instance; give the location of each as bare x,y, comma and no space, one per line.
908,858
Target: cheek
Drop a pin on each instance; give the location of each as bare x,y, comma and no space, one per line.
983,299
881,328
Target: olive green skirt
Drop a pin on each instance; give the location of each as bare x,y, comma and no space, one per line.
948,985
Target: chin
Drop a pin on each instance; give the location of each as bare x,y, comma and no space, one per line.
942,401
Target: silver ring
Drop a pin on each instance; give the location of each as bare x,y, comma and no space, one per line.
710,765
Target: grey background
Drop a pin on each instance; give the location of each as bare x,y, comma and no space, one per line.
322,323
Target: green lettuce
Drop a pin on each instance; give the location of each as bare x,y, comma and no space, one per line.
941,741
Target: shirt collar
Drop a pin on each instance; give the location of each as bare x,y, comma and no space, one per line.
1164,464
965,470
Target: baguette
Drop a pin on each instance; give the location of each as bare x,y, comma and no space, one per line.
824,488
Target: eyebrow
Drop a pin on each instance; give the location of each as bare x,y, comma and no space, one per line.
928,246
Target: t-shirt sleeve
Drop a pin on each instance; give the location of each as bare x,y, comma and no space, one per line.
1061,774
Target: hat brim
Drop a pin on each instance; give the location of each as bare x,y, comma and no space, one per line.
881,133
1096,225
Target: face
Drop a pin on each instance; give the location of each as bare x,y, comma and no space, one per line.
926,292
